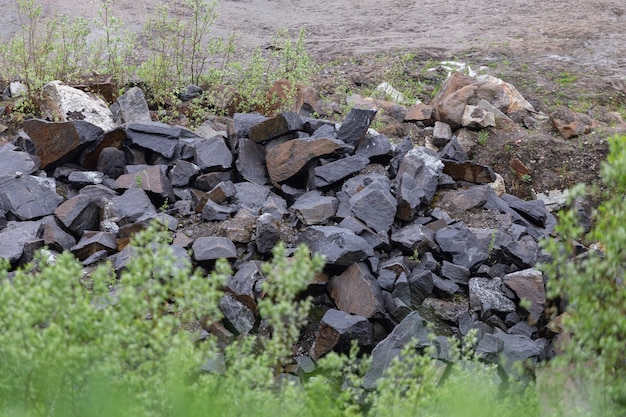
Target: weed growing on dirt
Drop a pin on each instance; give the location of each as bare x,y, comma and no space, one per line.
177,37
566,78
483,137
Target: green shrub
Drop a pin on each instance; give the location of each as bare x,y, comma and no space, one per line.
37,54
62,331
592,285
179,47
253,76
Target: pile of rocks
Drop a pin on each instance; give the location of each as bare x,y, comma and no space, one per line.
386,216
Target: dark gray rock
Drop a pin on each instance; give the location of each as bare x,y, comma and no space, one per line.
313,208
528,285
155,136
283,124
212,211
534,210
519,348
523,328
131,205
355,125
78,214
421,285
81,179
486,294
182,173
461,243
98,193
537,232
190,92
427,262
150,178
457,273
417,180
396,307
375,239
251,162
54,236
412,329
115,138
242,122
245,284
27,197
92,242
356,291
442,133
112,162
489,348
523,252
415,239
237,317
377,148
251,196
359,182
213,154
444,288
212,248
133,106
375,206
338,329
453,151
340,246
409,196
206,182
267,233
399,151
335,171
16,163
15,236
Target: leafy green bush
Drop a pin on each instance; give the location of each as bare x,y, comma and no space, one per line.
62,331
592,285
101,345
37,54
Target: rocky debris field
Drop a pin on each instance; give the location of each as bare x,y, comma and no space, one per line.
421,240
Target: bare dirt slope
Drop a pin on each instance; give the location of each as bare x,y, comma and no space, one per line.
530,43
591,33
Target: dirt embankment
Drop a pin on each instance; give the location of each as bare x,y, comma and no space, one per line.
554,53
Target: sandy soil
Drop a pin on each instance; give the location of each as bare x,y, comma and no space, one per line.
589,33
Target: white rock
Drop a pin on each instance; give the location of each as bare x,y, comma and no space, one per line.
63,103
477,118
554,199
388,90
498,185
17,89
